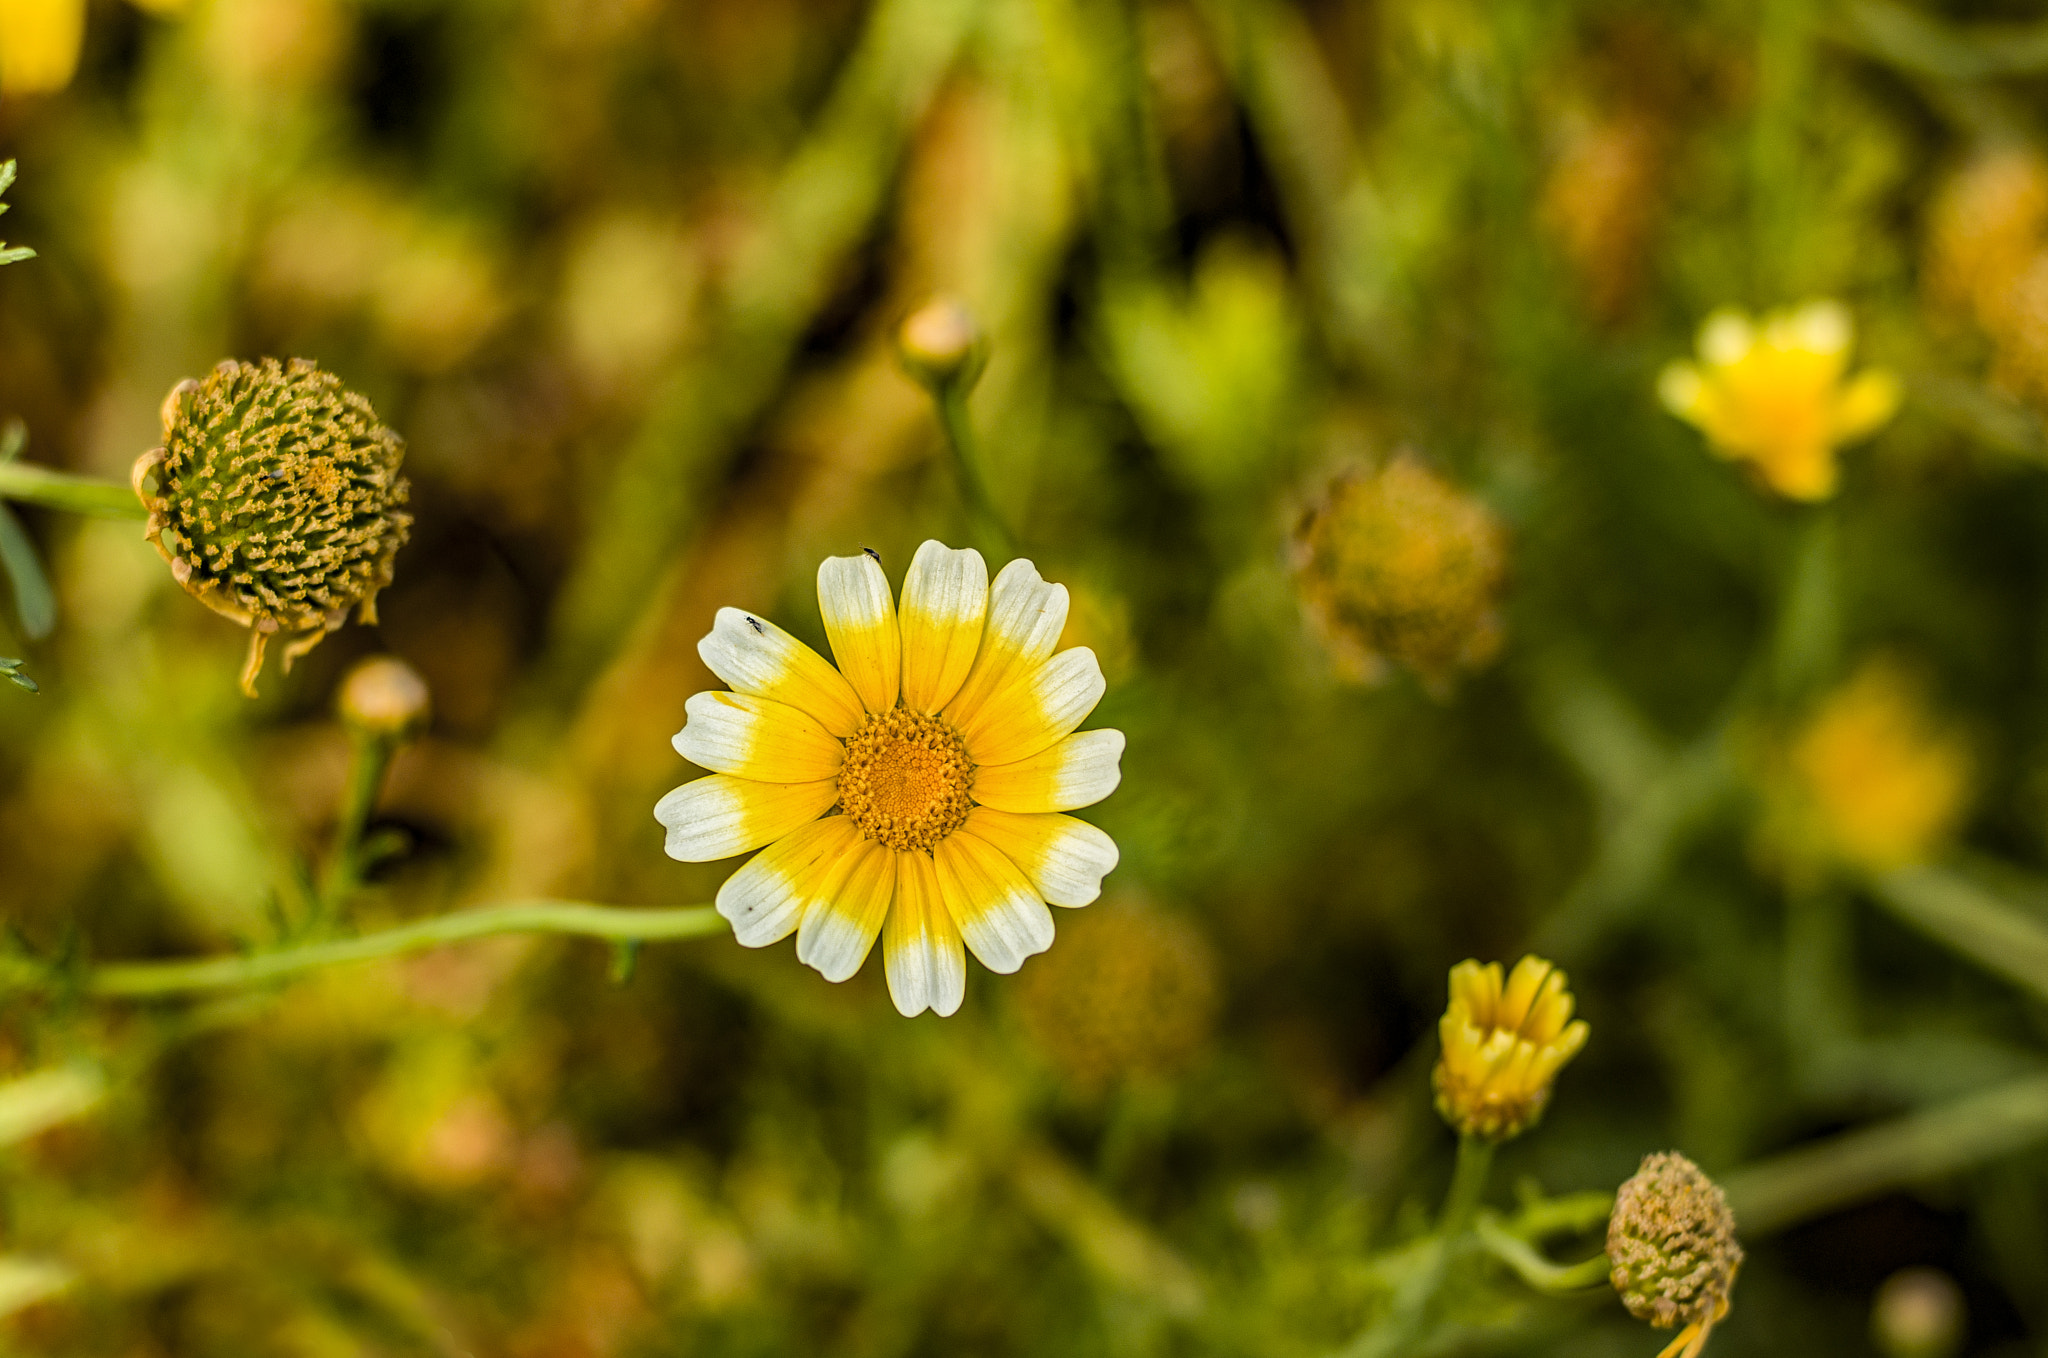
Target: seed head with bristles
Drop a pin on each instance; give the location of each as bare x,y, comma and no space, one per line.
277,501
1671,1246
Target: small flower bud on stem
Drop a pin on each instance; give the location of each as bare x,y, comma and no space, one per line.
383,702
944,351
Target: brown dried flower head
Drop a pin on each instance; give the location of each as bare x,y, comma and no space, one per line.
1397,564
1671,1245
277,501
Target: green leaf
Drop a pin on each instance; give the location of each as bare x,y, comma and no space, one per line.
13,439
34,603
19,252
11,671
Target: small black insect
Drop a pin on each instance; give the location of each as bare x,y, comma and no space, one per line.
755,623
873,553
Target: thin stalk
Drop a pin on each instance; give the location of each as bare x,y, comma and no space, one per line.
369,757
1855,1166
62,490
949,398
145,980
1468,1182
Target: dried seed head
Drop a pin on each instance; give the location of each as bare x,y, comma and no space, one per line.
1671,1242
277,500
1398,564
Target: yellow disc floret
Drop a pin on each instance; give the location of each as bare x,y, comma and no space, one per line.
906,779
1503,1045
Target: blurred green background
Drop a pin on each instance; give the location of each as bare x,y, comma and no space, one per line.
625,275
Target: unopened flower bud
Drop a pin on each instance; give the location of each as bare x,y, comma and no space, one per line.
384,697
1671,1246
941,344
277,501
1503,1045
1918,1313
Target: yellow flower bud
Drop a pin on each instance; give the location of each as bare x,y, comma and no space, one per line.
1398,564
277,501
1772,394
1671,1245
1503,1045
940,343
384,697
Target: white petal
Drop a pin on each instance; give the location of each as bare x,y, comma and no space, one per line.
1025,618
756,657
1000,917
1064,859
767,897
757,738
719,816
1078,771
840,927
1030,715
860,622
945,598
921,949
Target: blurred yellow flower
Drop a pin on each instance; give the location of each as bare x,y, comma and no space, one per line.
1772,394
1132,993
1398,564
1503,1045
916,791
39,42
1875,780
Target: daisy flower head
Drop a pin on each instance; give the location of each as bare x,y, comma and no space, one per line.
1773,393
917,792
1504,1041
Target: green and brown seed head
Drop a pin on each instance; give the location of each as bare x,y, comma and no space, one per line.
278,500
1671,1244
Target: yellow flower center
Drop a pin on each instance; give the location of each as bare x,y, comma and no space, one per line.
906,779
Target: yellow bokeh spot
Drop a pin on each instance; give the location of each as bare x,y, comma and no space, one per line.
39,42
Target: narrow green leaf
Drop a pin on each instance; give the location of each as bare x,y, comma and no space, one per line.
34,603
11,671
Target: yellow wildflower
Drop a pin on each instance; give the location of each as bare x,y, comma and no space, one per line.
915,792
1671,1245
1503,1045
39,42
1772,394
1874,779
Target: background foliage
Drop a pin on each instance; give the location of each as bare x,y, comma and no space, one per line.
625,276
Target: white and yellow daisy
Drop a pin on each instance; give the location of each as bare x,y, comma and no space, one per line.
917,791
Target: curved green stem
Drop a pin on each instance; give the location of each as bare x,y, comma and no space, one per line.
144,980
1530,1266
63,490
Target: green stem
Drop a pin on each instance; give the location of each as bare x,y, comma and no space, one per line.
1857,1165
139,980
1468,1182
369,757
1530,1266
950,400
1971,921
62,490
